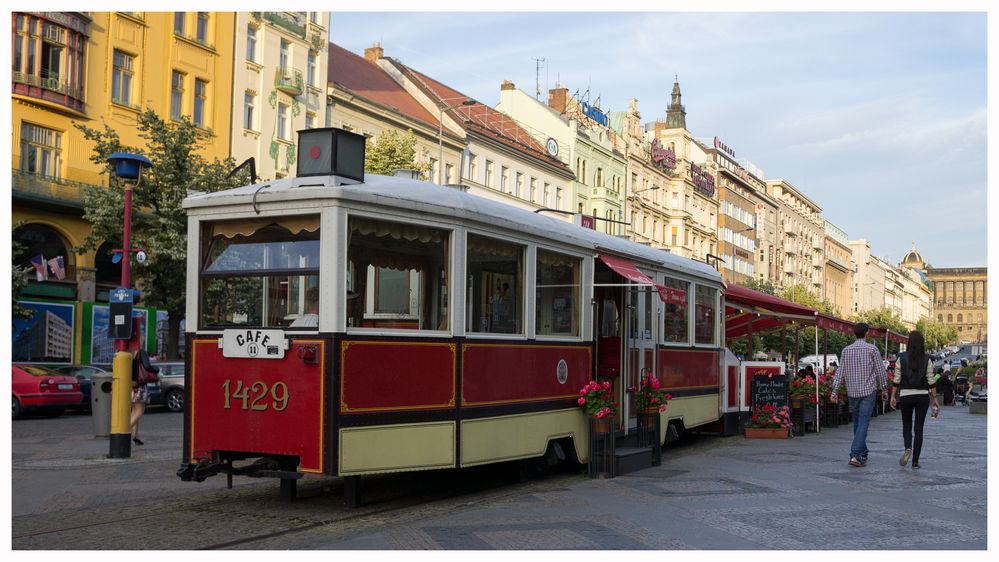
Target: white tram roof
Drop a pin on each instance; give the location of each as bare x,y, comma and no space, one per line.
425,197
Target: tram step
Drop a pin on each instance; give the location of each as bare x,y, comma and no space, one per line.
630,459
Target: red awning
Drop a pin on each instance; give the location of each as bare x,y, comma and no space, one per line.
626,269
827,322
737,296
670,295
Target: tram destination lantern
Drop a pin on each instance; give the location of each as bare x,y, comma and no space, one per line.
331,152
120,311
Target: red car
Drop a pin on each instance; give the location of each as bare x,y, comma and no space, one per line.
41,389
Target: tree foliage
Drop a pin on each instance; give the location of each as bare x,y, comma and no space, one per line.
159,223
761,285
393,151
936,334
18,281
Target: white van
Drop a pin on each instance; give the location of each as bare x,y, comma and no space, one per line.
818,362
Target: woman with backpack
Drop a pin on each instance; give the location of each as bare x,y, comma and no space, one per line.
914,386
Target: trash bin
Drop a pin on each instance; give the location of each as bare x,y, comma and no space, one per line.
100,404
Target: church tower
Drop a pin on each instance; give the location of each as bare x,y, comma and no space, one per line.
676,115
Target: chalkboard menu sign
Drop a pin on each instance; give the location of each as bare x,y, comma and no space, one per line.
769,390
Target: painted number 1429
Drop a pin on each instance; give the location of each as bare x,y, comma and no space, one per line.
257,396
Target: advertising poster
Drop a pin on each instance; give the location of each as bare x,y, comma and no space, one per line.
101,345
46,337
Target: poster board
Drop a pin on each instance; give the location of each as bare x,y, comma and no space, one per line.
771,371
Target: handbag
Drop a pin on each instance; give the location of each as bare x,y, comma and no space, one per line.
146,376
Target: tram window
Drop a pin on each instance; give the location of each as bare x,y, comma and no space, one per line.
495,286
676,321
557,294
260,272
397,276
704,314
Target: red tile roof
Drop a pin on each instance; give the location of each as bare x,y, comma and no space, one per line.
367,80
483,119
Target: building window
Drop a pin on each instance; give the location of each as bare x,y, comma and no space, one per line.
519,186
504,179
41,151
200,100
311,71
534,189
282,123
676,319
488,182
251,43
178,22
310,120
249,109
121,78
558,198
449,173
960,318
314,17
546,194
471,166
284,58
176,95
202,30
557,310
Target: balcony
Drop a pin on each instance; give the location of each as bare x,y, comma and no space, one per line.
838,263
289,81
818,261
790,251
48,189
49,87
817,243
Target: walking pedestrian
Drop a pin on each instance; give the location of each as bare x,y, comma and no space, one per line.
140,393
914,385
863,372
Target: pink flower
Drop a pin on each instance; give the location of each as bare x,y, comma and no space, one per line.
606,385
662,408
581,401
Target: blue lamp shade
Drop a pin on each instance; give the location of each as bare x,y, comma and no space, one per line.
128,166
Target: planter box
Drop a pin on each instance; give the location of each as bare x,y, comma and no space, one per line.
768,433
977,407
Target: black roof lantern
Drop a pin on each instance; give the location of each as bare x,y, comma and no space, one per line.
331,152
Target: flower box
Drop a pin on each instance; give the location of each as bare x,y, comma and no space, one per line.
766,433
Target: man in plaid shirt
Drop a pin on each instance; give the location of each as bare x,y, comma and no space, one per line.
860,367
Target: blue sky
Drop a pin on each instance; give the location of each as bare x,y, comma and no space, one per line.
880,118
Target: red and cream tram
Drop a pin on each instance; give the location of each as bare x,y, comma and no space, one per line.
345,324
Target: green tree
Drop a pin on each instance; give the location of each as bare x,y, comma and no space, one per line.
883,318
18,281
763,286
936,334
393,151
159,223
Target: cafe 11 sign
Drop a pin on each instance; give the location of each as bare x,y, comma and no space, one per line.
664,157
703,181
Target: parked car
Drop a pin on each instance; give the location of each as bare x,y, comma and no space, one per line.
39,389
82,374
171,391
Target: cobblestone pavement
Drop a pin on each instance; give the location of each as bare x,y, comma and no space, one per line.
709,493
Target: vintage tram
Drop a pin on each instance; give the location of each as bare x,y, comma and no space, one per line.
345,324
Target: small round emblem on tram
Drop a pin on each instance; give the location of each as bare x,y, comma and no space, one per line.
562,371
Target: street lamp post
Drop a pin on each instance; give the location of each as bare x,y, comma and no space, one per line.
440,130
627,219
732,245
128,168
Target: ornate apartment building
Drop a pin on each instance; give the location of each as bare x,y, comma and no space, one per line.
960,299
802,249
837,284
692,190
279,86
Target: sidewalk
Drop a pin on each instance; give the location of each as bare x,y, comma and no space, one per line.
731,493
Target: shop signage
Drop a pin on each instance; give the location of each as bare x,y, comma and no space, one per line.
724,148
586,221
703,181
742,254
664,157
594,113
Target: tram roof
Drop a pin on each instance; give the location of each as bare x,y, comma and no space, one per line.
425,197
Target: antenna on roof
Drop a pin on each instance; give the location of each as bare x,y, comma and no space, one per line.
537,76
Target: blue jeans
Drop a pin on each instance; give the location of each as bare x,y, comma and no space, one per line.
861,410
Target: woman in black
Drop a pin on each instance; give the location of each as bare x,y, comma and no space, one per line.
914,385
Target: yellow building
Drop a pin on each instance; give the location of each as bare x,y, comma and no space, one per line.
97,68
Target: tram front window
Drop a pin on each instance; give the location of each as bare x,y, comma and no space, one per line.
260,272
397,276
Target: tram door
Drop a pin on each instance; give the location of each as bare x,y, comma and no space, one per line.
642,313
608,328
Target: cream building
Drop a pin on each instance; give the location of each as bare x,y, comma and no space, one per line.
279,86
802,249
868,278
960,296
837,285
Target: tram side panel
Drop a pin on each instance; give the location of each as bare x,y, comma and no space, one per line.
693,377
258,407
516,398
397,406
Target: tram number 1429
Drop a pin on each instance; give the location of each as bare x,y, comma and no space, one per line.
254,396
